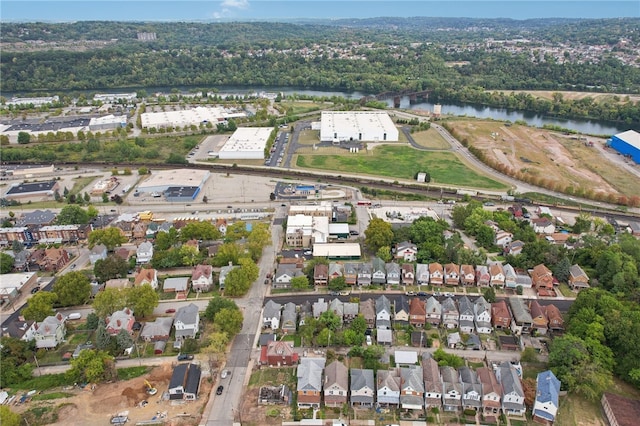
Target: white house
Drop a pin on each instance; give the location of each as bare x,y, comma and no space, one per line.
383,312
545,407
271,315
144,253
98,252
482,315
202,278
503,238
406,251
50,332
187,322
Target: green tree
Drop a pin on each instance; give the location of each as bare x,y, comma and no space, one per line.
189,255
73,288
337,284
325,337
228,253
330,320
110,267
6,263
236,231
92,367
378,234
250,268
260,235
237,282
15,357
228,321
16,246
199,231
109,237
445,358
123,341
72,215
489,294
216,346
300,283
92,321
24,138
166,240
8,417
359,324
40,306
216,304
582,223
108,301
142,299
562,270
384,253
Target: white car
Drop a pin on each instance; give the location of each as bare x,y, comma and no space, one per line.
368,340
74,316
225,374
308,252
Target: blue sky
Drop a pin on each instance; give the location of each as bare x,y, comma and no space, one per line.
244,10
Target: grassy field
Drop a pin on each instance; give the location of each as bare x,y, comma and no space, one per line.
309,137
402,163
271,376
600,97
430,139
301,107
577,411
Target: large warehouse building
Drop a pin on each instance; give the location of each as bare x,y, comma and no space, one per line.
246,143
370,126
188,117
627,143
175,185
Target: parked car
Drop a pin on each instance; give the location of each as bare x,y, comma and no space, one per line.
185,357
170,311
35,290
74,316
345,293
219,390
73,266
422,294
410,293
308,252
369,342
225,374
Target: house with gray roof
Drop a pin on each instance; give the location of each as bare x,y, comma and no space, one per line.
319,307
578,279
284,274
388,387
522,320
466,316
21,330
422,274
350,311
351,273
383,312
309,389
187,322
433,313
378,271
510,276
411,388
336,384
36,218
337,307
451,389
368,311
512,392
362,388
450,314
364,274
482,315
98,252
305,312
158,330
271,315
401,311
144,253
289,318
471,389
223,274
393,273
336,270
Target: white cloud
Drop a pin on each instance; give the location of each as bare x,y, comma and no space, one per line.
238,4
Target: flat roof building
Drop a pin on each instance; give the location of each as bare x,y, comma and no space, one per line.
162,180
628,144
107,122
246,143
337,250
371,126
188,117
32,189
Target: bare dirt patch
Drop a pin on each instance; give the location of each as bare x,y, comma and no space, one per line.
105,400
546,156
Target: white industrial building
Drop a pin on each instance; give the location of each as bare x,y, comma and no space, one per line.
107,122
188,117
161,180
370,126
36,102
114,97
246,143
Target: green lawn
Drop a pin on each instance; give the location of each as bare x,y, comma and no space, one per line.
402,163
430,139
273,377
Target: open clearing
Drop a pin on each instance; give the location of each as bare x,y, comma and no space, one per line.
548,94
401,162
430,139
549,156
96,406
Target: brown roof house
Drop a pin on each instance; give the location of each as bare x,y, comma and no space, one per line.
408,274
120,320
451,274
541,278
497,275
320,274
336,384
620,410
432,381
500,315
436,274
281,353
491,393
368,311
202,278
467,275
417,312
539,316
147,276
556,322
54,259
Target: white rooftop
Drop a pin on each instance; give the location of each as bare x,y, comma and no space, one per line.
175,177
631,137
337,250
248,139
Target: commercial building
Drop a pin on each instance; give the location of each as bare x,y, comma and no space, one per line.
107,122
114,97
246,143
188,117
303,231
25,170
371,126
36,102
345,251
32,190
627,143
11,284
176,185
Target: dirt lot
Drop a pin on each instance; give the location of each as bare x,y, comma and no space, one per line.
549,156
97,405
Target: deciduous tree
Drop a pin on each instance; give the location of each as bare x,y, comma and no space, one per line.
142,299
92,367
73,288
110,267
378,234
40,306
228,321
108,301
110,237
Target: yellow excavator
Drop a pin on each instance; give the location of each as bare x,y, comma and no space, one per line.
150,389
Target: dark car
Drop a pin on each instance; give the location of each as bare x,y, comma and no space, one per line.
137,326
219,390
185,357
169,311
422,294
35,290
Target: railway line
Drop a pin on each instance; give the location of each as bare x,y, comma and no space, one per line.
423,189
